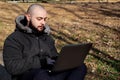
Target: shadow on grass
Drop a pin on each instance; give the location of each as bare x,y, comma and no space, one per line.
99,55
107,27
103,11
104,57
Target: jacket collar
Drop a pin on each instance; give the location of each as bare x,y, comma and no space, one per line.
21,24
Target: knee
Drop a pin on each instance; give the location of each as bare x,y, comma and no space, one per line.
4,75
83,68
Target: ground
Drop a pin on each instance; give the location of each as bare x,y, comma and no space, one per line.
78,23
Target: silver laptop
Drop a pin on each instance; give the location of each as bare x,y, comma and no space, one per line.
71,56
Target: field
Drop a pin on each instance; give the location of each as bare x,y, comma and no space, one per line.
78,23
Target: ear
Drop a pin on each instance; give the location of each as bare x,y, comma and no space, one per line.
28,17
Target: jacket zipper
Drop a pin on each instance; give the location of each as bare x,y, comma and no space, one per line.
40,50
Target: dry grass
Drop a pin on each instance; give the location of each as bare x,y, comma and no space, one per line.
76,23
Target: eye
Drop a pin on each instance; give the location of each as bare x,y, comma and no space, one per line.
45,19
39,19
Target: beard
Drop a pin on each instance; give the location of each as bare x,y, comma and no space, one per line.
34,29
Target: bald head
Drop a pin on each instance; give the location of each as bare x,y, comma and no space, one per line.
36,16
33,7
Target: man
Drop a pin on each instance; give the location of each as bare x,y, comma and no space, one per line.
29,51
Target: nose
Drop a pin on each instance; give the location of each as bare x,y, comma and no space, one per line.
43,21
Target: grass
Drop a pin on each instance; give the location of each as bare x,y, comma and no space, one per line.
77,23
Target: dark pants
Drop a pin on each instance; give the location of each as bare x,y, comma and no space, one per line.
41,74
4,75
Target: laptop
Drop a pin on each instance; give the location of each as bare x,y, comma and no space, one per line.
71,56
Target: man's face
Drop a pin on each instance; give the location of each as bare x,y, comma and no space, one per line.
38,19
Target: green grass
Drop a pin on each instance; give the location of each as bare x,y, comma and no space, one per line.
106,71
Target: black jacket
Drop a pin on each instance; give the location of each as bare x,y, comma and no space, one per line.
24,48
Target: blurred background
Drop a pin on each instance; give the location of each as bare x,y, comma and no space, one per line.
76,21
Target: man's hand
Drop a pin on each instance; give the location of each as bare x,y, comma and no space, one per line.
50,61
47,63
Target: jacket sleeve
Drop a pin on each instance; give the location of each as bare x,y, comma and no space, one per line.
53,49
14,62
